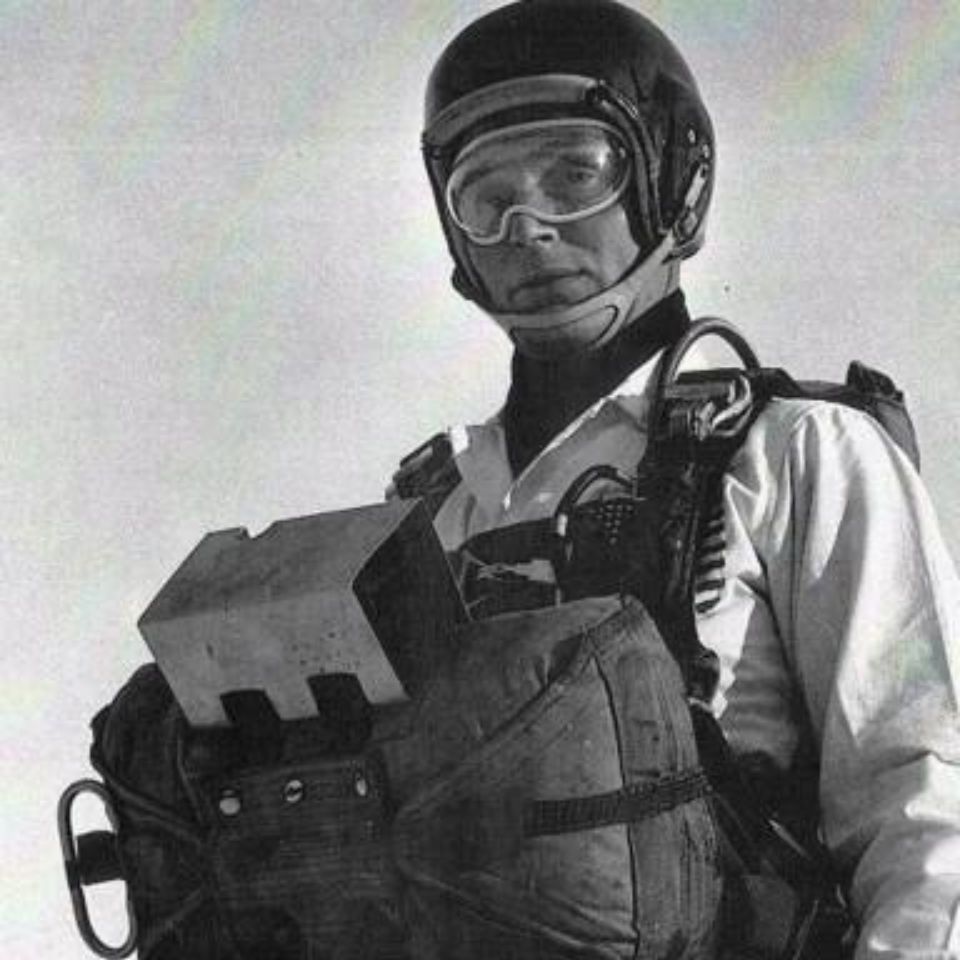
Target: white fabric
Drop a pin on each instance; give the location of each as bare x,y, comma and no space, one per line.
837,585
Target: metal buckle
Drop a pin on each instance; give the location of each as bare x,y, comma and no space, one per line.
71,863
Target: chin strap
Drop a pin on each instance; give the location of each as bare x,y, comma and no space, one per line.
551,334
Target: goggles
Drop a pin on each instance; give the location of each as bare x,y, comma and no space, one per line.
557,171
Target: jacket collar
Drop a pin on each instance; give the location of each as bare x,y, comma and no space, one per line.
616,421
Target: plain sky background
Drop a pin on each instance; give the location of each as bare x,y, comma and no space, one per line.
225,301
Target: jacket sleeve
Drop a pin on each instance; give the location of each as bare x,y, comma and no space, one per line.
867,601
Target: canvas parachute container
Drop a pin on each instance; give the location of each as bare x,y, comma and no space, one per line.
542,797
550,798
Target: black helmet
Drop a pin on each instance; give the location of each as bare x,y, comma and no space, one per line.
539,59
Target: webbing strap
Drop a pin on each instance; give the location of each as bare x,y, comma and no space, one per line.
145,809
632,803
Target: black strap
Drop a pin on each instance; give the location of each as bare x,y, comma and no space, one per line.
629,805
430,472
697,423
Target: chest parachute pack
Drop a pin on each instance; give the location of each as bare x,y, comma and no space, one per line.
539,777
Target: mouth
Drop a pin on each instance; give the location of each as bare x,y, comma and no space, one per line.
545,278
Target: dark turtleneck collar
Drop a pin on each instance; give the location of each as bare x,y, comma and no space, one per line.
545,396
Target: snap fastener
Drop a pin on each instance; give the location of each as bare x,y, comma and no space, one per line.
229,803
360,784
293,791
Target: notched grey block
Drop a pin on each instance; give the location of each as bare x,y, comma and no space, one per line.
366,591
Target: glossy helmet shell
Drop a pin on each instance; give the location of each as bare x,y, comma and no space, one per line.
508,67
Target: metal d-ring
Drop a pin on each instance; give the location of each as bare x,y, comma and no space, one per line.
707,326
71,863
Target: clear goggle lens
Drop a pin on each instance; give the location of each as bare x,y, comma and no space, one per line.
557,171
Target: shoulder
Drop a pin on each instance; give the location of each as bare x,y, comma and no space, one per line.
865,409
813,471
803,448
801,431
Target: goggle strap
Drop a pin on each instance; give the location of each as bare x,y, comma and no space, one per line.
546,89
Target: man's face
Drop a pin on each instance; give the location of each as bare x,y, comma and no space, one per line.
540,207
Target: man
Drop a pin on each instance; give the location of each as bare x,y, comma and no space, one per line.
572,160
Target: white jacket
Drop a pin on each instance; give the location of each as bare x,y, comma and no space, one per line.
837,585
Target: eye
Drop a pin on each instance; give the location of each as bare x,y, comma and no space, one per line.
498,198
576,178
581,175
484,190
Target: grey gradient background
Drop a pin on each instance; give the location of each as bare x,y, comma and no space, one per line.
224,294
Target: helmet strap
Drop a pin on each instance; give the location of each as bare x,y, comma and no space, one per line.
588,325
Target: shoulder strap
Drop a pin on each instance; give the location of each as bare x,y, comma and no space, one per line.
430,472
864,388
698,421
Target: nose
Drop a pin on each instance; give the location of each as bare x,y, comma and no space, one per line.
524,229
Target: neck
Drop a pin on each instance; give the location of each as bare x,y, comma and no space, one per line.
545,396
